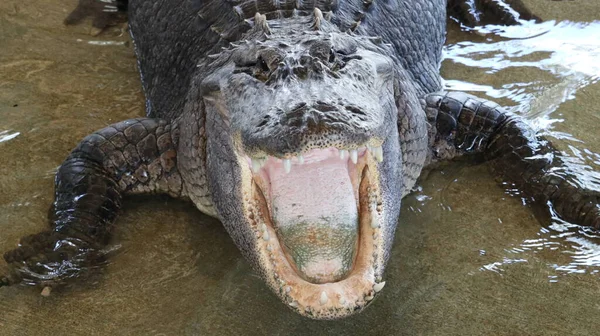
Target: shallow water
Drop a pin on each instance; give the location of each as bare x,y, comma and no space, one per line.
469,258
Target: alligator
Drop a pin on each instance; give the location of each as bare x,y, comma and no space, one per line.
300,125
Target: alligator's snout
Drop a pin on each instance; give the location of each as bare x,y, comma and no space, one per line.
319,115
294,127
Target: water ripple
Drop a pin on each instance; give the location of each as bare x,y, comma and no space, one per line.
568,51
6,135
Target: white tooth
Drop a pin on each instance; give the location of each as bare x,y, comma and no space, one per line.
323,300
269,248
287,165
300,159
354,156
378,286
46,291
342,300
343,153
256,165
378,153
293,304
288,289
374,224
263,227
265,236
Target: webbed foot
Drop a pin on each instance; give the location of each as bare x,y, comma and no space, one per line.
482,12
104,13
49,258
130,157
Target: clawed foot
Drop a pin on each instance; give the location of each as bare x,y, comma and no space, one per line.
482,12
48,258
104,13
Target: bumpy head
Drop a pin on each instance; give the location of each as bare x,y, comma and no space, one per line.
303,164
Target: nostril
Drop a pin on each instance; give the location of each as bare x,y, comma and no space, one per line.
324,107
265,120
355,110
262,124
299,106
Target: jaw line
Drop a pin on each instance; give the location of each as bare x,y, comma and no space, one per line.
327,300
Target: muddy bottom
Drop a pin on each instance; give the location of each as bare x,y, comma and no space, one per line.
469,257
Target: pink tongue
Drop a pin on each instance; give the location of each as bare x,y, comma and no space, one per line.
315,212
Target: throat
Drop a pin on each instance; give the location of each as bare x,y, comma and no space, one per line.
314,209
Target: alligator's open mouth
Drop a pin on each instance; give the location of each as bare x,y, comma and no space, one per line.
317,219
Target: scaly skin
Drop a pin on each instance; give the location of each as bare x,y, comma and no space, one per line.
130,157
231,83
466,124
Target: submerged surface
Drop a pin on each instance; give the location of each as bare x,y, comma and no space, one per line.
469,257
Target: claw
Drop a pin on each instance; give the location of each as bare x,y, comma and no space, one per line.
46,291
4,282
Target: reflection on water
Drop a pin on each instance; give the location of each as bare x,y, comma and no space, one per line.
469,257
7,135
566,56
568,51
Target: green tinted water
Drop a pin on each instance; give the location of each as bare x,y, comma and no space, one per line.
468,258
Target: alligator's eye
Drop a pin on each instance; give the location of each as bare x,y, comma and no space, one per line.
349,58
341,62
261,69
262,64
331,55
347,49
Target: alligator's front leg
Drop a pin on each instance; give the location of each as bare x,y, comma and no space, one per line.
133,156
481,12
464,124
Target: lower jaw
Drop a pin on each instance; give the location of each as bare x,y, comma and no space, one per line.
334,299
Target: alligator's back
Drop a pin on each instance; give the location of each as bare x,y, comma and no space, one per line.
173,36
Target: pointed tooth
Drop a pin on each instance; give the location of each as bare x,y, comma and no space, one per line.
354,156
323,300
288,289
255,165
293,304
263,227
46,291
287,165
378,154
300,159
374,224
378,286
266,236
343,153
342,300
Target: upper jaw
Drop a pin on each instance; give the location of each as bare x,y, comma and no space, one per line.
330,299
